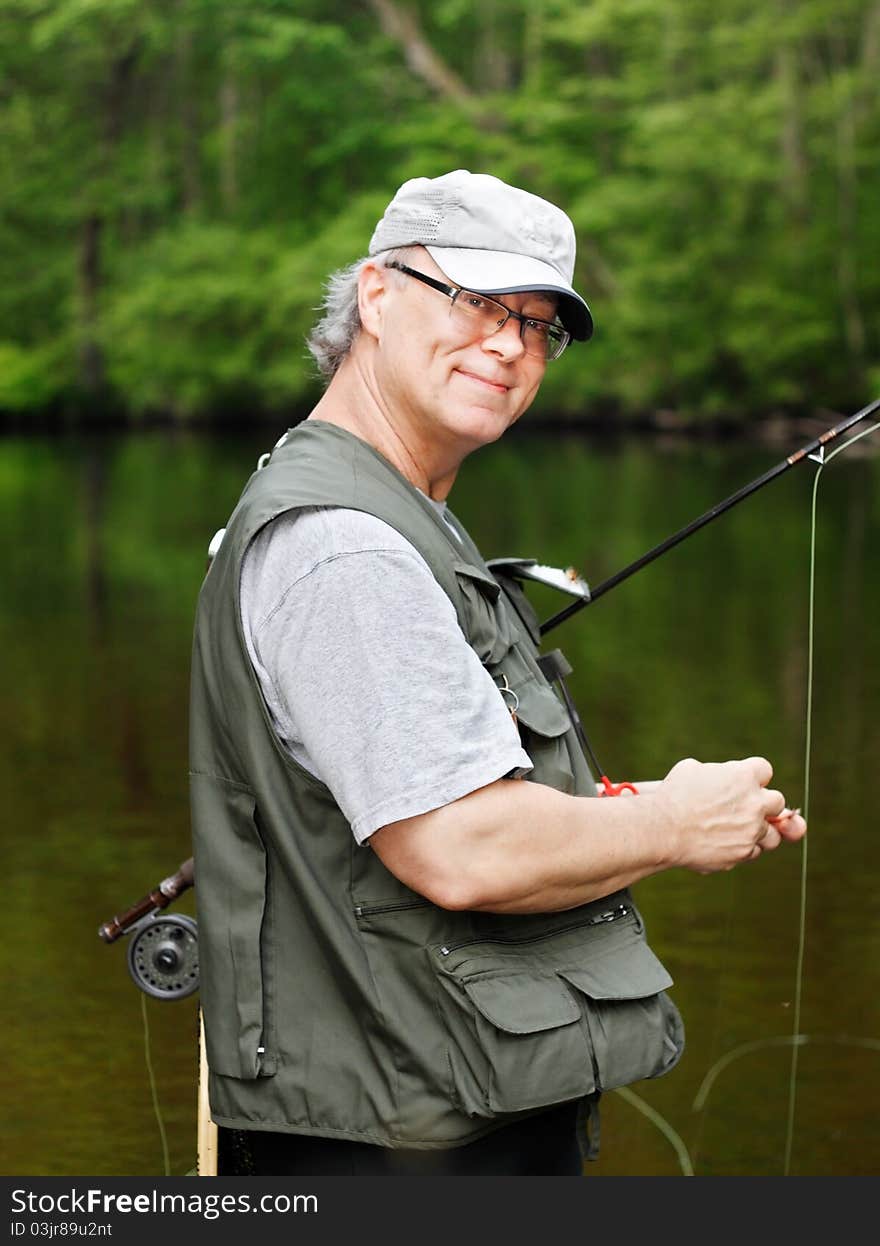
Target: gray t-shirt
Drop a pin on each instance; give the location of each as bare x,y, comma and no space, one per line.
369,681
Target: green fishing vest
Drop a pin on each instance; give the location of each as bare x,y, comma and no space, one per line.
336,1001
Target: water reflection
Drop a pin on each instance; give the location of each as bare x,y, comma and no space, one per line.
702,653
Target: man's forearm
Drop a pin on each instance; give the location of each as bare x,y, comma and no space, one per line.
515,847
522,847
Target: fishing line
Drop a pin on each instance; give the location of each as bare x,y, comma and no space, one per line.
636,1101
153,1090
799,969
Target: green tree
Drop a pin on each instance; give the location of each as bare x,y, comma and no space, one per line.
179,176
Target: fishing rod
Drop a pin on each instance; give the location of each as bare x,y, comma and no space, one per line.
163,955
163,960
815,449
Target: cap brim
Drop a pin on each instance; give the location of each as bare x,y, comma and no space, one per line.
506,272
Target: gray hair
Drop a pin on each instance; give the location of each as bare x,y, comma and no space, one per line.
332,338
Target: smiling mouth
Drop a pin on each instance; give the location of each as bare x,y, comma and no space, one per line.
497,386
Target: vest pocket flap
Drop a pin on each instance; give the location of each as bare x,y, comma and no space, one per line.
522,1005
486,583
504,570
625,971
540,710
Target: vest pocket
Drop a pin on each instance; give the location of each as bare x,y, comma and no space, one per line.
543,720
235,946
543,724
489,631
531,1023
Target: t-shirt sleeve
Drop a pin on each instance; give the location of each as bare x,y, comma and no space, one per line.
368,673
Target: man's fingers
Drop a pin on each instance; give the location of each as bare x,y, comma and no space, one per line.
761,767
774,804
786,816
769,840
792,827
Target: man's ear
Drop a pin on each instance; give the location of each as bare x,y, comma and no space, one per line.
372,286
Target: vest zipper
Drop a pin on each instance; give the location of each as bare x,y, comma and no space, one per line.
610,916
368,910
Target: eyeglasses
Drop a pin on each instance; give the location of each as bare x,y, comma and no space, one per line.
483,316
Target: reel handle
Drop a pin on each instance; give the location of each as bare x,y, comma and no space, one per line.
159,898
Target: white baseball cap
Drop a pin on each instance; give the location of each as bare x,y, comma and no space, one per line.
488,237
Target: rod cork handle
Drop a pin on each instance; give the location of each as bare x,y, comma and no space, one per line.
159,898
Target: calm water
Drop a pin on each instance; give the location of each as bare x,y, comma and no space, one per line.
704,653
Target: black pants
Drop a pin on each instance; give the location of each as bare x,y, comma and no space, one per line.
543,1145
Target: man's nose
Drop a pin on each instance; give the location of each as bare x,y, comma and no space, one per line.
507,341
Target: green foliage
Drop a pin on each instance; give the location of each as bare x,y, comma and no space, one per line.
29,377
178,178
188,325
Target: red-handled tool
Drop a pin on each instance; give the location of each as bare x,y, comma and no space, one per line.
614,789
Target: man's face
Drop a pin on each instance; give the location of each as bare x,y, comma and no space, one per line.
453,388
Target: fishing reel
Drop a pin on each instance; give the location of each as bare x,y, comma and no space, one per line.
163,951
163,956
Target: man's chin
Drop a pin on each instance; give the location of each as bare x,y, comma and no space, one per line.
485,424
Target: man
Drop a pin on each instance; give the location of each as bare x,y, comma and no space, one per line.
419,950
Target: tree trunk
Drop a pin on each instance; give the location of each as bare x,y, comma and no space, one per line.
847,217
229,113
791,138
493,62
189,123
91,356
867,88
533,46
115,102
402,26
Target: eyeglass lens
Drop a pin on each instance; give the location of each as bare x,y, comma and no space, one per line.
544,340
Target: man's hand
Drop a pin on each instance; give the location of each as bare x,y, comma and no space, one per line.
725,813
